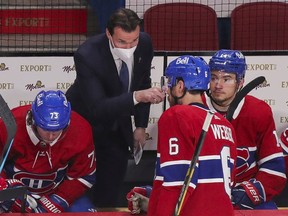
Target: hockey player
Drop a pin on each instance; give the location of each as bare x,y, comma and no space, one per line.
284,145
260,164
52,154
179,128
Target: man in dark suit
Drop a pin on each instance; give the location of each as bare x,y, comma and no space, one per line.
98,94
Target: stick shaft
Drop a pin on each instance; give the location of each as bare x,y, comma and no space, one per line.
194,160
10,124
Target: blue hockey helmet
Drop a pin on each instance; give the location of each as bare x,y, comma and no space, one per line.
229,61
51,111
193,70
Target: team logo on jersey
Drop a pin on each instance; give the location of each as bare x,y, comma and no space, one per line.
242,160
38,183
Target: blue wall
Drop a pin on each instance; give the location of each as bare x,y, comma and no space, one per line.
103,10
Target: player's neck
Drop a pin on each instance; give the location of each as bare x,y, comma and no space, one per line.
188,99
220,107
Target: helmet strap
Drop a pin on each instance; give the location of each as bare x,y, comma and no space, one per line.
176,99
30,122
208,92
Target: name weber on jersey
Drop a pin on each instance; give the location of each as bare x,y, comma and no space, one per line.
222,132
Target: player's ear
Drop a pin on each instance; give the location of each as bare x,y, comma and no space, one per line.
241,83
180,87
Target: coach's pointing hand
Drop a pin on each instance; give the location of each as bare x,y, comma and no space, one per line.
152,95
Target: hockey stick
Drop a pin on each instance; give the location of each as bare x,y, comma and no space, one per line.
10,124
241,94
193,162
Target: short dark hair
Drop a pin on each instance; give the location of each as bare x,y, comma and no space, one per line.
124,18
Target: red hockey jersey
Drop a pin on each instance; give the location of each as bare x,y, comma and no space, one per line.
66,168
284,145
209,191
259,154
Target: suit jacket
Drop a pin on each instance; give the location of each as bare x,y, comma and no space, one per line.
96,93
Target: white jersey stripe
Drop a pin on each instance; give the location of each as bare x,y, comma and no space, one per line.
272,172
270,157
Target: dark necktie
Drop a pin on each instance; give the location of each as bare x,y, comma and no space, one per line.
124,76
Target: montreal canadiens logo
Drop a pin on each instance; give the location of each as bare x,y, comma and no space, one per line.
242,164
38,183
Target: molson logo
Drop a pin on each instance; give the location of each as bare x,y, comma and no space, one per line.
35,68
3,67
148,137
68,69
263,85
38,85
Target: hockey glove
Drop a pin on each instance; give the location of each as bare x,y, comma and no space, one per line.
248,194
5,184
45,204
138,199
31,202
51,204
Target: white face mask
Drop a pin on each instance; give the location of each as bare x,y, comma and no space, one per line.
123,54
